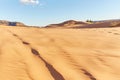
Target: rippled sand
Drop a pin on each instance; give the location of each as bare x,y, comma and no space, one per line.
59,54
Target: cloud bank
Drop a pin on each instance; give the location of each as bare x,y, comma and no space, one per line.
33,2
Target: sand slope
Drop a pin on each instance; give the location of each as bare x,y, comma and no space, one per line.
59,54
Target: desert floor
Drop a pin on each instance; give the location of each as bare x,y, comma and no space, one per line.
59,54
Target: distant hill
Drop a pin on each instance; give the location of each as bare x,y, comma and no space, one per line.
80,24
70,24
9,23
67,24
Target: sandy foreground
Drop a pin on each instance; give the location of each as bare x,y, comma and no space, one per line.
59,54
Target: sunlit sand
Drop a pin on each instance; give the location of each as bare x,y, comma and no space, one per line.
59,54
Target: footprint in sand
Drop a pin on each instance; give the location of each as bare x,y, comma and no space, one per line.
116,33
109,32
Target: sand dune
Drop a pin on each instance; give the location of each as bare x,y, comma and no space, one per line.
59,54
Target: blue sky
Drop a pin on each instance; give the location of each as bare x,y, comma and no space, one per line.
55,11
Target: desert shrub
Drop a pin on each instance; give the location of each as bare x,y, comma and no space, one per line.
89,21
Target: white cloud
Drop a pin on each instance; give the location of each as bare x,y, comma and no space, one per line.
33,2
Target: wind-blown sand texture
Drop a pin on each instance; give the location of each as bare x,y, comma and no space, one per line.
59,54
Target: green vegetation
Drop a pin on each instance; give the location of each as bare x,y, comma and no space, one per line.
89,21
